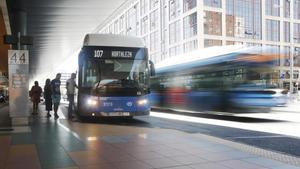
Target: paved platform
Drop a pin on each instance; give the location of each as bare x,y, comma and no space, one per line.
54,144
5,121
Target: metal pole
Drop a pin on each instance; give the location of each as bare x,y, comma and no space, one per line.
292,68
19,40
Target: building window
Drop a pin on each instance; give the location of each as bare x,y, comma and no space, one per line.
176,50
121,24
144,25
297,57
286,56
189,4
190,26
296,9
146,40
274,50
132,21
273,7
190,46
175,32
212,42
212,23
213,3
243,18
110,29
287,8
174,10
154,39
296,33
286,27
272,30
230,43
153,4
154,20
144,5
116,26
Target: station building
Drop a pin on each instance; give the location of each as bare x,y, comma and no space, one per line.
173,27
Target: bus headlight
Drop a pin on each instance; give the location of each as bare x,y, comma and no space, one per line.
92,102
142,102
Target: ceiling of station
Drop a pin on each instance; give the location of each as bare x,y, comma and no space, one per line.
59,26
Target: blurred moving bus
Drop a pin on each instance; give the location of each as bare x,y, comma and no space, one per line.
219,78
113,78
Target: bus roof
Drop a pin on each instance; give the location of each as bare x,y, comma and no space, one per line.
113,40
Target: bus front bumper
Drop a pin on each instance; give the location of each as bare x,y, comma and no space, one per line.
115,114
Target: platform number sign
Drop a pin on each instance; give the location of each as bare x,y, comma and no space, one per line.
18,57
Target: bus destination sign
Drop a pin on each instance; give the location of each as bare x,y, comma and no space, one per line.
121,54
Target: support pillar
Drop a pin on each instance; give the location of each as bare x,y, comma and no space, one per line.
18,68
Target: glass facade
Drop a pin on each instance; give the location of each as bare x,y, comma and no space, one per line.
144,25
174,9
272,30
274,50
174,32
144,5
190,26
212,42
213,3
297,57
189,4
273,7
296,9
287,8
132,26
190,46
286,27
173,27
243,18
154,20
212,23
296,33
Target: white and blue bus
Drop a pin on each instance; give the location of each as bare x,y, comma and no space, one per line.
113,76
226,78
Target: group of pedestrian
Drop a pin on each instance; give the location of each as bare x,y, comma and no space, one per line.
52,95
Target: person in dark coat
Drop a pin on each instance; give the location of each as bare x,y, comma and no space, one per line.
48,97
35,94
56,95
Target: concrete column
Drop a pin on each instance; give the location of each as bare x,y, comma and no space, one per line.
200,22
19,111
223,22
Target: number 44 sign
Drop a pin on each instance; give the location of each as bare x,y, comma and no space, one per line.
16,57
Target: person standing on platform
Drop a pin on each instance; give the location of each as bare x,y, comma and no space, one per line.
47,97
35,94
70,85
55,86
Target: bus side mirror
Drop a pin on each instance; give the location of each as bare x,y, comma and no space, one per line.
152,68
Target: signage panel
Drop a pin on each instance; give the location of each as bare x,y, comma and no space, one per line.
18,83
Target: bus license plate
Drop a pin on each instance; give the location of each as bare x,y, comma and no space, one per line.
119,114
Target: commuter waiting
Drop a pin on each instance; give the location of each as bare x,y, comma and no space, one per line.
35,94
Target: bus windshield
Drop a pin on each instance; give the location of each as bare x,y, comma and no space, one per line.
115,73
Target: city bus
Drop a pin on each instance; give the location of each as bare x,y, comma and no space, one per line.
227,78
113,76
